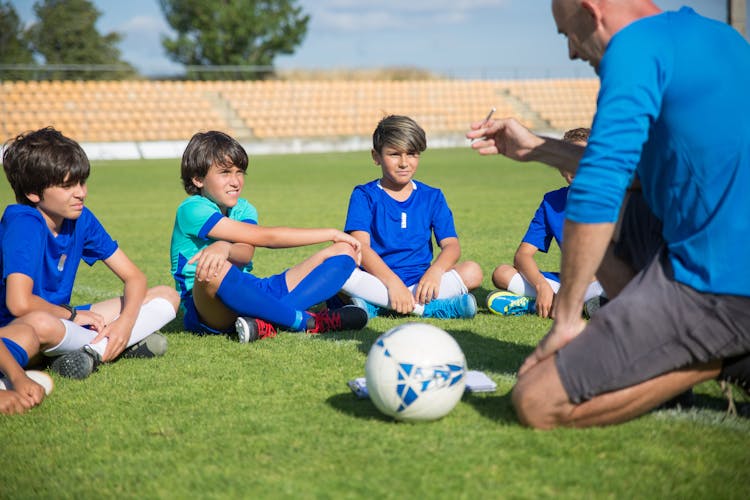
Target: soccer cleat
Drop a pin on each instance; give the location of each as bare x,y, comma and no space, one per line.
40,378
371,309
251,329
333,320
155,345
506,303
77,364
593,304
460,306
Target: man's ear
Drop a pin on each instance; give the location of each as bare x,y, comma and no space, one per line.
593,10
33,198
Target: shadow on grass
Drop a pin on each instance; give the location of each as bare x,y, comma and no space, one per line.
349,404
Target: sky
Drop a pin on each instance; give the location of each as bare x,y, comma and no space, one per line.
454,38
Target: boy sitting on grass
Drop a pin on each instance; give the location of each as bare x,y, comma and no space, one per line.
44,237
532,289
394,218
214,239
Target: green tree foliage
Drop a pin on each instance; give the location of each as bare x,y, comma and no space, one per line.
232,33
14,49
65,33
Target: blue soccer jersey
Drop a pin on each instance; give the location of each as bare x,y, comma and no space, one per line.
548,221
195,218
401,231
29,248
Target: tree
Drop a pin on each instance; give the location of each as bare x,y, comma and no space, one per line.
14,49
65,34
233,33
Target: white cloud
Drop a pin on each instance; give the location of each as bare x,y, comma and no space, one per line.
355,15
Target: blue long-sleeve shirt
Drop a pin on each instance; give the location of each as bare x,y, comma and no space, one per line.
674,107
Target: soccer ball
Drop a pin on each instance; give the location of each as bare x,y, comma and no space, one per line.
415,372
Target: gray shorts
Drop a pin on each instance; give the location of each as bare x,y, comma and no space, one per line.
654,326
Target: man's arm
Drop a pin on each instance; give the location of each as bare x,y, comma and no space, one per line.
583,249
509,138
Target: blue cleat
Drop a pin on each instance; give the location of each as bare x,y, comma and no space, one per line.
506,303
371,309
461,306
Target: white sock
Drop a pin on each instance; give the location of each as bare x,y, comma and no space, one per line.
367,287
153,315
594,290
75,337
520,286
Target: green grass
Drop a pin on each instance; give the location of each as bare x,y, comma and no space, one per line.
216,419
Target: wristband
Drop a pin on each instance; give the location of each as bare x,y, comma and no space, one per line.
73,311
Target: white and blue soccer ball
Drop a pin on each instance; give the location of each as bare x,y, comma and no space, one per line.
415,372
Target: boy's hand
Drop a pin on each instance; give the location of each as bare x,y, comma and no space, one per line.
12,403
33,392
118,334
347,238
210,260
429,286
545,298
400,299
89,318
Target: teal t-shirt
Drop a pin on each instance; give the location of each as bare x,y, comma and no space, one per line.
195,218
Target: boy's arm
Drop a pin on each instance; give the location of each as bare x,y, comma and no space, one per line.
277,237
134,291
21,300
211,259
400,298
524,262
429,284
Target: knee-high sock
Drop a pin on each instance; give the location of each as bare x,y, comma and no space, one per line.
153,315
75,337
322,283
239,293
520,286
366,286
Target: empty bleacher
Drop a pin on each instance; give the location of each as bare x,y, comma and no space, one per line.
113,111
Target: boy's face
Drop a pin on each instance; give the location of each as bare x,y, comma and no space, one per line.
222,184
398,166
61,202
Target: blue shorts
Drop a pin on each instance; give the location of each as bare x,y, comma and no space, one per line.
274,285
18,353
550,275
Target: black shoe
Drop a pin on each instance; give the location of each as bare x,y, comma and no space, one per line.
334,320
155,345
681,401
76,364
251,329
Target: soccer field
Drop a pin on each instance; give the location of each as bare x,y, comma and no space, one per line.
275,419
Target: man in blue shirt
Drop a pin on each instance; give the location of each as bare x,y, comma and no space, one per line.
677,114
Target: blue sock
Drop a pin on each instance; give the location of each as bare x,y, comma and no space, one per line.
239,293
322,283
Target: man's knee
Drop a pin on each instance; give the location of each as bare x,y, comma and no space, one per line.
539,399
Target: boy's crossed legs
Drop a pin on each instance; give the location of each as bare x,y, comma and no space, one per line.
282,299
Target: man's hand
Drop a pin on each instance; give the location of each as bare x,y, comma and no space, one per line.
558,336
506,137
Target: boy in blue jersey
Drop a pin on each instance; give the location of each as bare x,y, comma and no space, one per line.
534,289
44,237
213,242
17,343
395,218
676,115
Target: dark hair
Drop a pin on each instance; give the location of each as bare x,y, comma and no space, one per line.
206,149
399,132
577,135
44,158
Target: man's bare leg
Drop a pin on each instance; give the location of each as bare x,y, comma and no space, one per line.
614,273
541,402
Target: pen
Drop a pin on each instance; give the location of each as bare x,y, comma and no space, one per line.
486,120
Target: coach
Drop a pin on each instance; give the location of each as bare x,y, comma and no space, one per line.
673,109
